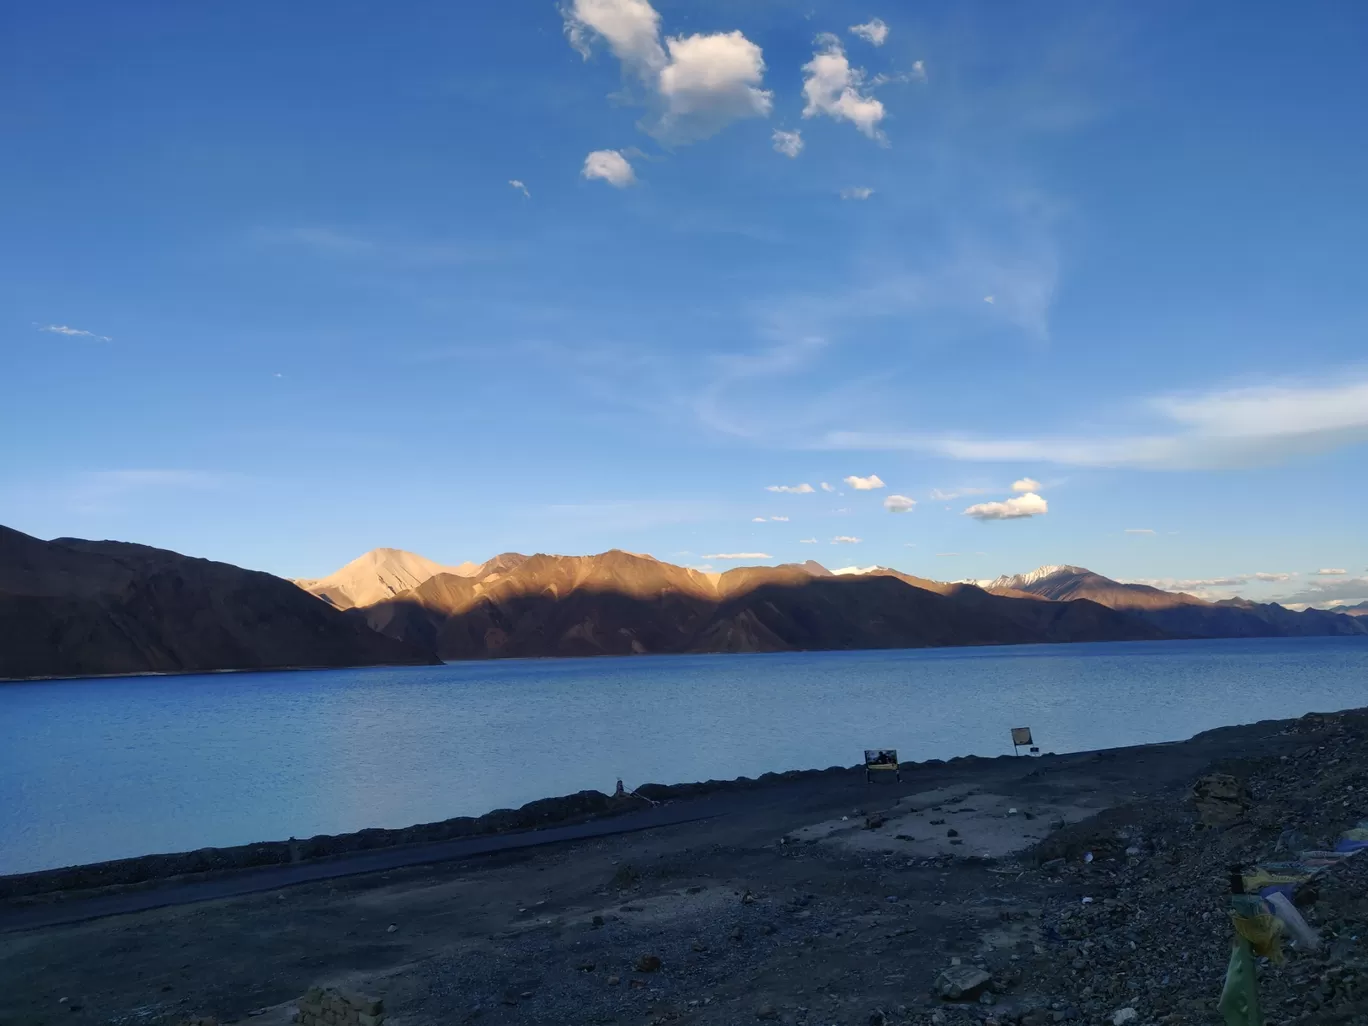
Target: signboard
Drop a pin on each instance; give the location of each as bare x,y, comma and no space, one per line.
881,759
1021,736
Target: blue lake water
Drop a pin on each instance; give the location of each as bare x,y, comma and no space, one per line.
102,769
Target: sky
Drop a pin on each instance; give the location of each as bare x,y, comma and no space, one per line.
959,288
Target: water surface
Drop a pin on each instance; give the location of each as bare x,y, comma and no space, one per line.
102,769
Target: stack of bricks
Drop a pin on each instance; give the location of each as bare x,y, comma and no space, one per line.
339,1008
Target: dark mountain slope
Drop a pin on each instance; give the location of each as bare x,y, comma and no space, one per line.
72,608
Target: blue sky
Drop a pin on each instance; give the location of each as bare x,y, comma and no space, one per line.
269,295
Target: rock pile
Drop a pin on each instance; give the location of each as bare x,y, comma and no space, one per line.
320,1007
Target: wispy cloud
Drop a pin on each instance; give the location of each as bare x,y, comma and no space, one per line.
781,520
738,555
865,484
1218,428
1331,573
1016,508
790,144
899,504
1026,484
609,166
874,31
845,539
859,192
62,329
1274,577
520,187
798,489
1140,530
827,488
948,495
807,541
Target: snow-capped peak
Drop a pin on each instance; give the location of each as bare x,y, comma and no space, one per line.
857,569
1020,582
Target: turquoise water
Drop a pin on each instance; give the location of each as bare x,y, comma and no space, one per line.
102,769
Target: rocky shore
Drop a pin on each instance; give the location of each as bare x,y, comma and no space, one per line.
1081,889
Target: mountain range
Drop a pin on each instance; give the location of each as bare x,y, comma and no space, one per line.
70,607
620,602
73,608
1175,613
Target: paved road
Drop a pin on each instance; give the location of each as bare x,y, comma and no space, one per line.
270,878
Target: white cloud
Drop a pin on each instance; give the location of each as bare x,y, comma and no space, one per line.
990,299
845,539
1028,505
62,329
1026,484
798,489
865,484
873,31
832,87
1219,428
790,144
862,192
807,541
1341,591
899,504
1264,576
827,488
1331,573
855,571
697,84
611,166
520,187
757,520
1139,530
738,555
781,520
919,71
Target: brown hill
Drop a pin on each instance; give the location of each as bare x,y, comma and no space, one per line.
1175,613
378,575
620,603
72,608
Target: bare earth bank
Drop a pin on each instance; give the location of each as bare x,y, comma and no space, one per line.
815,900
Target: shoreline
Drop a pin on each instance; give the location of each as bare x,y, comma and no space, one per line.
587,806
987,645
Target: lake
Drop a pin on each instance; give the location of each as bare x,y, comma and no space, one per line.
102,769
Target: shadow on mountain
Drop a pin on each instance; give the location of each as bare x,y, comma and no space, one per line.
71,607
618,603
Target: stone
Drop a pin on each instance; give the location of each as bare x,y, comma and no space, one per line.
961,981
613,981
698,945
391,928
363,1019
586,967
766,1012
1124,1015
648,963
1221,799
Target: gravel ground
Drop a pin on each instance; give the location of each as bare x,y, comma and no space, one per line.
759,917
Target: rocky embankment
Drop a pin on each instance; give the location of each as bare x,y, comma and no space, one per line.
1139,931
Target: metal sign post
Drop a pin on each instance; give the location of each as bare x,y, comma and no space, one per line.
881,760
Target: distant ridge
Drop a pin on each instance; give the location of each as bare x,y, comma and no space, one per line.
1175,613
